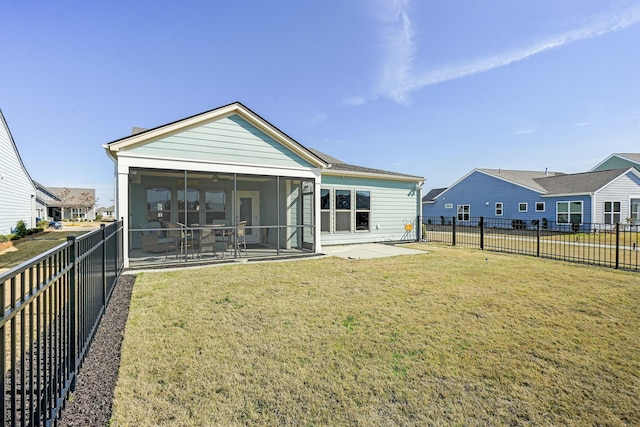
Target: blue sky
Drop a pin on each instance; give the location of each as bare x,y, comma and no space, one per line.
431,88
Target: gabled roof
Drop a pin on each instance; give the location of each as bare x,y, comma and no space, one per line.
46,191
581,183
631,157
526,179
548,183
338,167
143,136
433,194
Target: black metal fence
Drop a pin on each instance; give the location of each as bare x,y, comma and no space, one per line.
616,246
51,306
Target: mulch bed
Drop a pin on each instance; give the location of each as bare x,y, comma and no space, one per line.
92,400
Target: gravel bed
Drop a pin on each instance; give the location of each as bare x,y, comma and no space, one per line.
92,400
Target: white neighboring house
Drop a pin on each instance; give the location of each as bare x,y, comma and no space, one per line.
17,192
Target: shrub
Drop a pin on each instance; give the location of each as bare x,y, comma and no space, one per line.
21,229
43,224
4,238
518,224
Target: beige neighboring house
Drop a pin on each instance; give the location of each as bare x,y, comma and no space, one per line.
72,204
108,214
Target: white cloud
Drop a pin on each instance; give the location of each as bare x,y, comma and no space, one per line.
524,132
398,78
581,124
317,119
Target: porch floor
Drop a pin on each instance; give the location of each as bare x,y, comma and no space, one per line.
139,258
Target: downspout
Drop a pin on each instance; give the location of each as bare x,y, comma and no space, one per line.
419,210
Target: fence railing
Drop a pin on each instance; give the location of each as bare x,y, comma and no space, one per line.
51,306
608,245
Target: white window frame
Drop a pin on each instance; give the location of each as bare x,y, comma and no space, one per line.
543,206
326,212
463,214
362,210
569,213
526,207
611,212
499,207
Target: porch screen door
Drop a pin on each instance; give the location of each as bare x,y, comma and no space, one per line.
248,203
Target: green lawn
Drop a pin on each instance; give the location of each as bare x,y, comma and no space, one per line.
452,337
34,245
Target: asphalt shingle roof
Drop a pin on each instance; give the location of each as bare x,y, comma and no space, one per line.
524,178
432,194
339,165
586,182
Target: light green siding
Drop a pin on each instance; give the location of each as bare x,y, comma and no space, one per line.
617,163
230,140
394,204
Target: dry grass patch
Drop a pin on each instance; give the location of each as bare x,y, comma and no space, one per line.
455,336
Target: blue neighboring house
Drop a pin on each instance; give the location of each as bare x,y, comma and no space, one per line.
606,196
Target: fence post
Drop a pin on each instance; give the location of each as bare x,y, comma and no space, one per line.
617,244
538,239
481,233
73,307
453,229
103,229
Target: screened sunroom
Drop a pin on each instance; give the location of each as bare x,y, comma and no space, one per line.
195,217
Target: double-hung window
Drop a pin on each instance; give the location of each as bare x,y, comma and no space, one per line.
345,210
342,210
498,208
325,210
215,206
611,212
569,212
189,207
464,212
158,204
363,209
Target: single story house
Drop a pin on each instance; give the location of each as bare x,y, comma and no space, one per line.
107,213
46,200
72,204
603,197
17,192
226,184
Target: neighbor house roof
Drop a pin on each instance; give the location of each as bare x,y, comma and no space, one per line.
142,136
630,157
338,167
579,183
75,196
433,194
523,178
549,183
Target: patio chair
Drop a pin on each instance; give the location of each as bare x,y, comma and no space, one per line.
177,232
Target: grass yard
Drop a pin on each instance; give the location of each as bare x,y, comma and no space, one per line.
32,246
452,337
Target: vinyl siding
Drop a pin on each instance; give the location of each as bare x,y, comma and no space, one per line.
617,163
392,206
481,192
227,140
621,190
17,193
